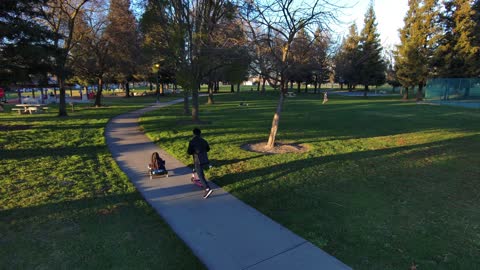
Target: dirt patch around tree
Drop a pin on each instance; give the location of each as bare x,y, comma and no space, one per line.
279,148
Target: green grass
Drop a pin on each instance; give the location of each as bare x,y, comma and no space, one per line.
386,183
65,204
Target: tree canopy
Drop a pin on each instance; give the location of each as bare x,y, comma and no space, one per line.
418,38
372,65
25,47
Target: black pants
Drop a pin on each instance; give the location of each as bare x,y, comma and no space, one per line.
201,175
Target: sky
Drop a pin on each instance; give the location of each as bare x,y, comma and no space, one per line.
389,13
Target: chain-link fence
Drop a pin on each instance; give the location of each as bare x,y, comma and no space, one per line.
453,89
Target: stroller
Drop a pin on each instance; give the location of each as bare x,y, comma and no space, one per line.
157,166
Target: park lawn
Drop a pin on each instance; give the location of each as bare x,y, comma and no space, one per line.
386,183
65,204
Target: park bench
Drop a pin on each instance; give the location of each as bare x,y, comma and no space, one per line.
25,108
19,110
290,94
31,110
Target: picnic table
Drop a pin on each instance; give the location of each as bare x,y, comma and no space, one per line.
29,108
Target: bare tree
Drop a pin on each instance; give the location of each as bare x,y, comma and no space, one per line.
190,31
91,59
61,16
276,23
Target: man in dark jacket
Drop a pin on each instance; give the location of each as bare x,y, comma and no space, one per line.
198,147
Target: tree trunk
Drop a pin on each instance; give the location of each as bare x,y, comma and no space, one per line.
238,87
232,88
127,89
210,92
315,84
420,92
157,89
186,106
365,91
151,86
467,90
298,87
62,108
98,96
405,94
42,96
306,88
209,86
258,85
217,87
275,122
263,85
195,108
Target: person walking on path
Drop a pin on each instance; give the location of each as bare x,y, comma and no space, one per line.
198,147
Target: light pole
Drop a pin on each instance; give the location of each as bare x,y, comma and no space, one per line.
157,66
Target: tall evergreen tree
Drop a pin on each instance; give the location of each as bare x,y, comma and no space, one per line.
123,39
372,67
300,57
347,59
391,74
161,39
418,39
476,36
25,47
456,55
320,61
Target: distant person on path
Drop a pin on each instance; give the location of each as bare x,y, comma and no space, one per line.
198,147
325,97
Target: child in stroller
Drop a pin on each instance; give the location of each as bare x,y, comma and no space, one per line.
157,166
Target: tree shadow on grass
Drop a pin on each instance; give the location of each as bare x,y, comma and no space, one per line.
61,151
93,233
294,166
353,218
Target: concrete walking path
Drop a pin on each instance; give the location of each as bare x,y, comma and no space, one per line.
224,232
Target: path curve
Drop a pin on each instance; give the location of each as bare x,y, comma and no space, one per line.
222,231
